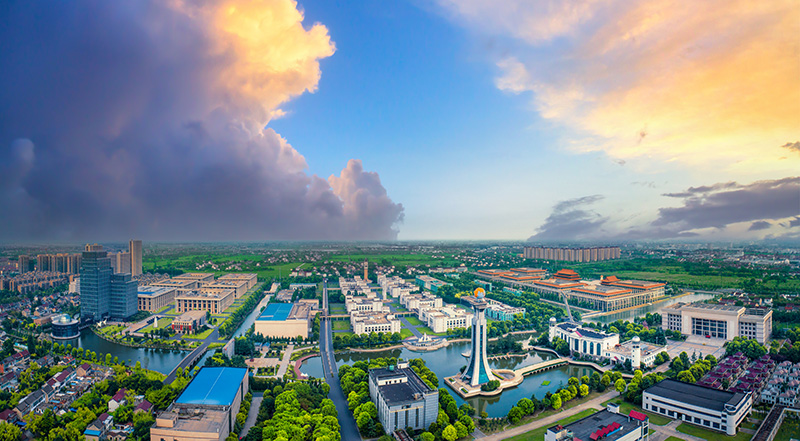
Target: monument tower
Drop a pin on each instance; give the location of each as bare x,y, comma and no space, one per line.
478,370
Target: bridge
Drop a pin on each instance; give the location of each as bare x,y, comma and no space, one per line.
541,367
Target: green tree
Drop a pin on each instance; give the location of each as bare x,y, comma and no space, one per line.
9,432
584,390
461,429
555,402
619,385
686,376
450,433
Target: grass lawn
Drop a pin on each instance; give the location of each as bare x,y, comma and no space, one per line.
162,323
164,309
111,330
624,407
415,321
672,438
344,333
538,434
400,308
337,308
200,336
790,428
405,333
710,435
341,325
429,331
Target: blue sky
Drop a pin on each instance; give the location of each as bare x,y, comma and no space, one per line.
563,120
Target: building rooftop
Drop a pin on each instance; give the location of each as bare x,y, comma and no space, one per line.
287,311
154,291
605,425
398,393
695,395
213,386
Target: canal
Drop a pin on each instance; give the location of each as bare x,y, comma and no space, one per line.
641,311
159,360
446,362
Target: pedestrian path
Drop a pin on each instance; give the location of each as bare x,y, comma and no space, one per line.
287,355
253,414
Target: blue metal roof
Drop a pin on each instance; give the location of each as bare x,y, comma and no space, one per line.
276,311
213,386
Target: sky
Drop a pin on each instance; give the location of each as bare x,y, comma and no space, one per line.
412,120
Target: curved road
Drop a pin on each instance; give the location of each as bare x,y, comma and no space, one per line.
349,430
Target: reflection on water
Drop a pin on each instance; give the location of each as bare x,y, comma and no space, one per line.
446,362
160,360
630,314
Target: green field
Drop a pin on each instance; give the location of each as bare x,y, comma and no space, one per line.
200,336
429,331
711,435
341,325
405,333
337,308
415,321
111,330
790,428
538,434
626,408
162,323
166,308
391,259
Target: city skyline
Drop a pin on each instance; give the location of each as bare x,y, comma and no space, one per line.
555,121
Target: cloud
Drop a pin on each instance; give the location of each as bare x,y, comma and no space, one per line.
759,225
713,83
147,119
795,146
571,219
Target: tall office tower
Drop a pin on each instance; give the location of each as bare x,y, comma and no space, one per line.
124,296
112,259
43,262
124,262
478,370
24,264
135,248
95,282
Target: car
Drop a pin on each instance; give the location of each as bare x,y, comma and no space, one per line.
708,336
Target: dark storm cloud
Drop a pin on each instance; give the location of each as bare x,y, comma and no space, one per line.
571,219
113,124
759,225
720,205
795,146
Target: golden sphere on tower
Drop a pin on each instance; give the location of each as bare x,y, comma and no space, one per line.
480,293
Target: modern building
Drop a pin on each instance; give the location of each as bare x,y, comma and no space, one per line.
189,322
353,304
592,254
718,321
135,248
583,341
287,320
514,275
153,298
640,353
606,294
496,310
216,302
250,279
365,322
239,287
95,283
23,264
179,284
64,327
124,296
196,277
206,410
124,262
430,283
355,286
418,301
403,399
606,425
700,405
478,371
445,318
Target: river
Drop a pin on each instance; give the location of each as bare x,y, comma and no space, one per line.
641,311
160,360
445,362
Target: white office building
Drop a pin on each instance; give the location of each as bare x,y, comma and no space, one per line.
718,321
699,405
583,341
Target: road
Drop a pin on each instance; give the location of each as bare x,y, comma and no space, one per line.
347,423
284,365
255,405
189,359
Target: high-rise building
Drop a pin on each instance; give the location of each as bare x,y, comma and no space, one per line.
124,296
112,259
124,262
95,282
43,262
135,249
24,264
478,370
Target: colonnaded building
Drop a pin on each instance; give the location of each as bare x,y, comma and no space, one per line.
718,321
603,345
402,398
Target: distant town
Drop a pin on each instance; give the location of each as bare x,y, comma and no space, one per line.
414,341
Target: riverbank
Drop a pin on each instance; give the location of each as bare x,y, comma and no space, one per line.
140,346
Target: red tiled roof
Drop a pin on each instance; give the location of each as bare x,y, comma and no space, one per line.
638,415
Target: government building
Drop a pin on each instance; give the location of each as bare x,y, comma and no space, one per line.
718,321
402,398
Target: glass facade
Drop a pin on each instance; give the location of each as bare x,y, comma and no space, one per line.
711,328
124,296
95,284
